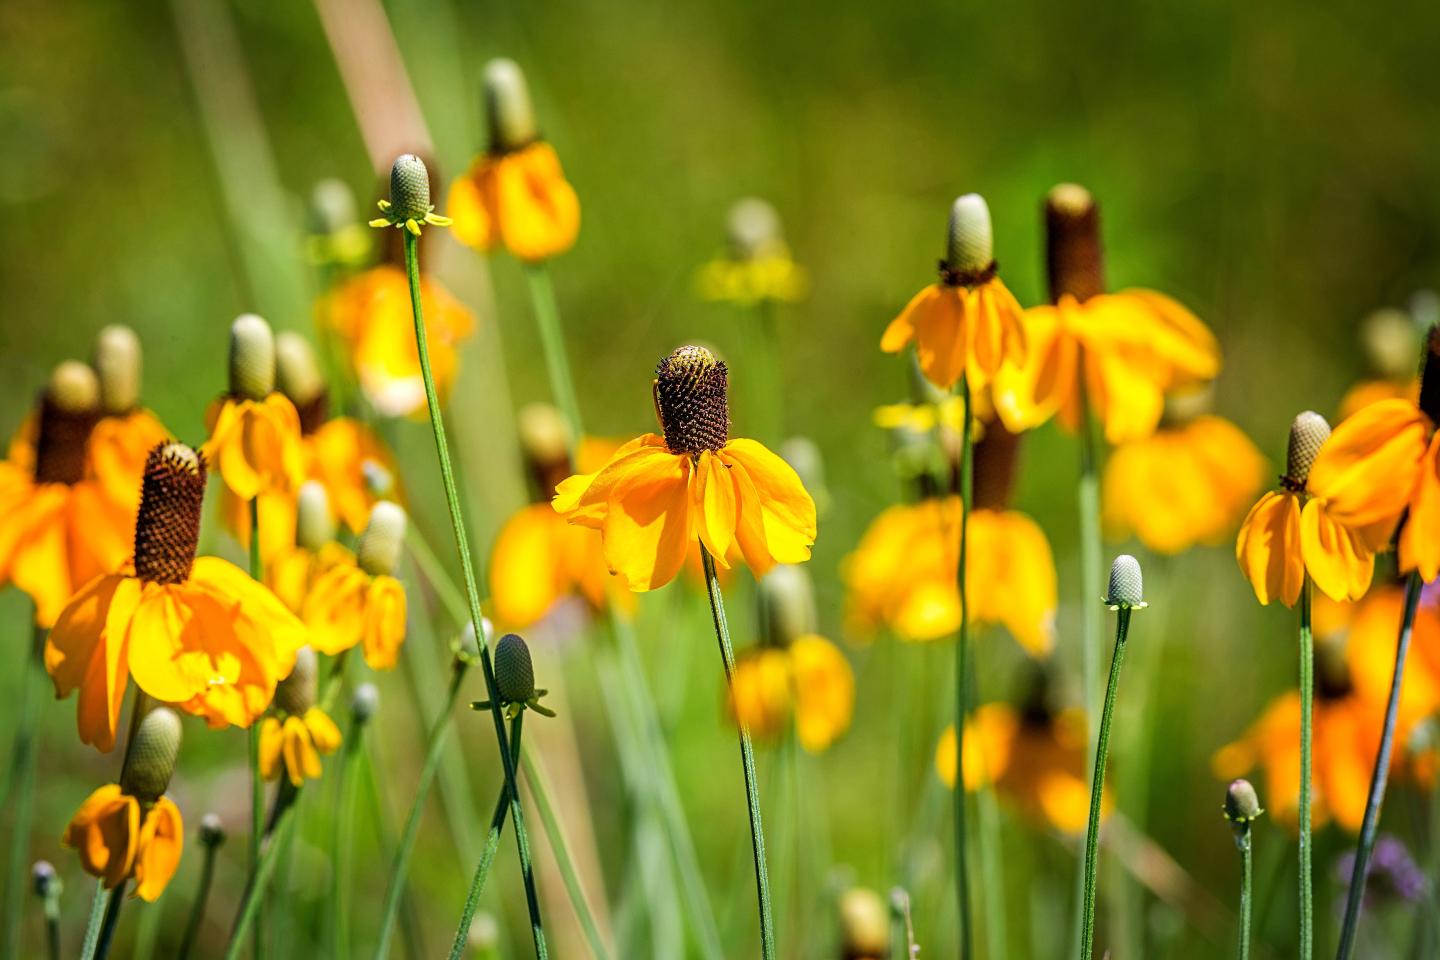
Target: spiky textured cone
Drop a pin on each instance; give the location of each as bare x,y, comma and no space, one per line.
167,527
1307,435
150,758
1126,583
409,188
970,239
378,552
252,357
514,673
692,394
296,693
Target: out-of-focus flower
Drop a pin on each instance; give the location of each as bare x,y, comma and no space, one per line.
514,195
359,600
659,494
409,205
125,433
864,925
1391,877
967,324
301,731
1391,339
1291,532
1187,483
1034,758
1124,350
195,632
758,267
336,237
808,680
58,526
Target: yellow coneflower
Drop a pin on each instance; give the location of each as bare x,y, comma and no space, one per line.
58,526
359,600
192,631
659,494
514,196
294,572
1189,482
131,829
968,323
758,267
1127,349
1291,531
296,737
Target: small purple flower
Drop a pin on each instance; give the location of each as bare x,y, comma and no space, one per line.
1392,875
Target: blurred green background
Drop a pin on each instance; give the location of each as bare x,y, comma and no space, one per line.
1274,167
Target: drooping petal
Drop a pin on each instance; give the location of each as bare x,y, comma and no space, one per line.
1030,391
1335,556
334,609
717,506
272,739
473,224
1268,548
759,697
824,688
1420,536
536,210
384,623
323,732
162,840
647,527
1367,470
786,511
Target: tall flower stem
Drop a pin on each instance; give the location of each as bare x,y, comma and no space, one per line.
462,547
110,921
1371,823
1307,720
281,825
1102,749
747,760
1242,841
197,906
257,782
98,903
1091,562
962,654
552,344
21,779
487,855
343,839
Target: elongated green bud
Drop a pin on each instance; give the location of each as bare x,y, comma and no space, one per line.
378,552
73,388
508,111
314,520
252,357
409,188
117,363
514,671
150,758
297,372
787,605
970,240
297,693
1308,434
1126,584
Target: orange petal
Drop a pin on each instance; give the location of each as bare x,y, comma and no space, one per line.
1367,470
162,840
1268,548
1336,558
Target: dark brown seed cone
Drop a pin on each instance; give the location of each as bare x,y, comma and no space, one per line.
60,444
168,526
314,412
995,459
1430,377
691,394
1072,243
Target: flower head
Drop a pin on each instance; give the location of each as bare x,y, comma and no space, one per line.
808,679
358,600
1126,591
659,494
254,430
300,731
1391,876
409,205
191,631
758,266
515,679
968,323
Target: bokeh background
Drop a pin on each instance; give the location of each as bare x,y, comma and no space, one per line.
1273,167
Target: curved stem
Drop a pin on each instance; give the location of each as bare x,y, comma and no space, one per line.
472,593
487,855
1097,788
1246,871
1371,823
962,653
1307,699
197,907
747,760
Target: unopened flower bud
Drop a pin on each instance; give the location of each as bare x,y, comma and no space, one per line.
150,758
1242,805
378,551
970,239
409,188
117,363
296,694
379,482
787,605
753,229
1308,434
692,397
1392,343
73,388
332,207
508,111
364,702
1126,585
252,357
864,925
514,672
314,520
297,373
543,433
44,877
212,830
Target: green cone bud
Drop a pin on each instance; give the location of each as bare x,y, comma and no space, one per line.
514,672
1126,584
117,363
332,207
787,605
150,759
73,387
970,238
252,357
509,114
1307,435
1242,805
378,552
753,228
314,520
297,373
409,188
212,830
297,693
364,702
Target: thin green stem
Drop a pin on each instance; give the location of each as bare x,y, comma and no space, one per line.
98,903
342,840
197,906
747,760
1371,823
1091,572
1307,698
462,547
1102,748
112,920
487,855
21,778
383,815
52,926
257,782
282,824
552,344
1242,841
962,654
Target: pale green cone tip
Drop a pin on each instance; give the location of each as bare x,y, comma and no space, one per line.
73,387
1308,434
297,372
753,228
1242,805
212,830
314,520
117,364
409,188
514,672
297,693
150,758
1126,584
510,116
364,702
1392,342
252,357
970,239
786,597
332,207
378,551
